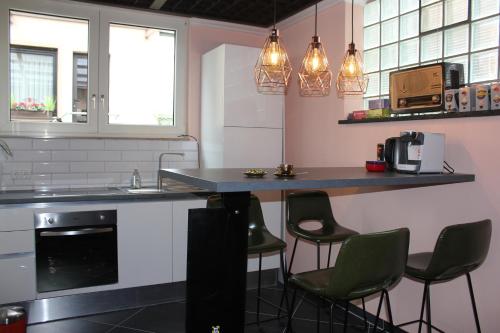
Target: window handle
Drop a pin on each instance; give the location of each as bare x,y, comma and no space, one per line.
103,100
93,100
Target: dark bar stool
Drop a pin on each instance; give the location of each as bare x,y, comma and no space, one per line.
366,264
260,241
459,250
314,206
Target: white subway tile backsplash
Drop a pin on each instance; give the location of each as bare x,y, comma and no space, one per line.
156,145
9,167
69,179
183,145
87,167
137,156
73,163
19,143
69,155
31,155
104,179
50,167
34,179
107,156
51,144
87,144
117,144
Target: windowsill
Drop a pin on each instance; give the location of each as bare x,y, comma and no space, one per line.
89,136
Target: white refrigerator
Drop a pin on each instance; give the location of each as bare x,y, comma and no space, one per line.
241,128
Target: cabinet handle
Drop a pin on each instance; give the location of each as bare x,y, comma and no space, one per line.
93,100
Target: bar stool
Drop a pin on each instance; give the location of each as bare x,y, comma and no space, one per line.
366,264
459,250
260,241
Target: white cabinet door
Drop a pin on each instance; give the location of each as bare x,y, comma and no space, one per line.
252,147
17,241
180,232
144,243
243,105
12,219
17,282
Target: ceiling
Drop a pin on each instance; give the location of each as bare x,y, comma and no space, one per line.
252,12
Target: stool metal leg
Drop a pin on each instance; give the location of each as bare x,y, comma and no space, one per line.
428,310
346,316
285,282
424,299
318,306
378,312
293,256
474,308
389,310
331,316
364,313
258,289
291,312
329,255
318,251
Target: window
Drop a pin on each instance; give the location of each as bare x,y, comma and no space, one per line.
406,33
33,82
91,70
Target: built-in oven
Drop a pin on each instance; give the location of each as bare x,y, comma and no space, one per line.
76,250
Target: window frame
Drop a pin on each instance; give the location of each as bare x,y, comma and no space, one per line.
99,17
469,21
157,21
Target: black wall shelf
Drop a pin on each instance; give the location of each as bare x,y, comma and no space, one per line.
444,115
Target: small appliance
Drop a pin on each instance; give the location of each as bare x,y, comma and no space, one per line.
421,89
482,97
467,97
495,96
415,152
450,100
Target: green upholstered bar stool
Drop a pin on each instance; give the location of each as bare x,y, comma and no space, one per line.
366,264
260,241
314,206
459,250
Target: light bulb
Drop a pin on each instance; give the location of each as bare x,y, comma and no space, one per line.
273,55
351,65
315,60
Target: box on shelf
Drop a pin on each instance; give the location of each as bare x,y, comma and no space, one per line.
482,97
382,103
495,96
450,100
467,99
378,113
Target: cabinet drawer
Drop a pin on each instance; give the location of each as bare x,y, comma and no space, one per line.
17,242
16,219
18,281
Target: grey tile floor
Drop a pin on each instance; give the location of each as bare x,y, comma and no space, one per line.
169,318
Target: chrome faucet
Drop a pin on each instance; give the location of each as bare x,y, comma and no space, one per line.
5,147
197,145
160,178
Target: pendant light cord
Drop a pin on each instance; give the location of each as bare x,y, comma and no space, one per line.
352,22
316,19
274,21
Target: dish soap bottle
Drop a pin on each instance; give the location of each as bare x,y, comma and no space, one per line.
135,180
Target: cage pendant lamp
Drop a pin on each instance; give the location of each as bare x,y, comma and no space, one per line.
351,79
315,76
272,70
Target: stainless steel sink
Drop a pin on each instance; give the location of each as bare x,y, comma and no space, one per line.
145,190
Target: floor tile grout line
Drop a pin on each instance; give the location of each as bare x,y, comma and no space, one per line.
124,320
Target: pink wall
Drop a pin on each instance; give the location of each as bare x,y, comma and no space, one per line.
313,138
201,40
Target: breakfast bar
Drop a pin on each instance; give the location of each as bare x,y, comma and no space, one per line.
217,238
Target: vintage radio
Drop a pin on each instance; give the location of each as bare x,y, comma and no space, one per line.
421,89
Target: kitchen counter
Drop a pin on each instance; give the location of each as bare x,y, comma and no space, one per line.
233,180
174,191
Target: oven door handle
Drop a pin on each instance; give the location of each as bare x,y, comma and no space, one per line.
79,232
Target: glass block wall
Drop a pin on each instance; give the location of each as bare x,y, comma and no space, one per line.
405,33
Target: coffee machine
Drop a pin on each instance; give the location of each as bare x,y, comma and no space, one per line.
415,152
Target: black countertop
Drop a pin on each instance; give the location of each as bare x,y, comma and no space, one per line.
233,180
179,192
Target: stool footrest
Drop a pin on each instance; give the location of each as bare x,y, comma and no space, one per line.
418,321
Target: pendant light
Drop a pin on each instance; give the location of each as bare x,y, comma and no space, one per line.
351,79
272,70
315,77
